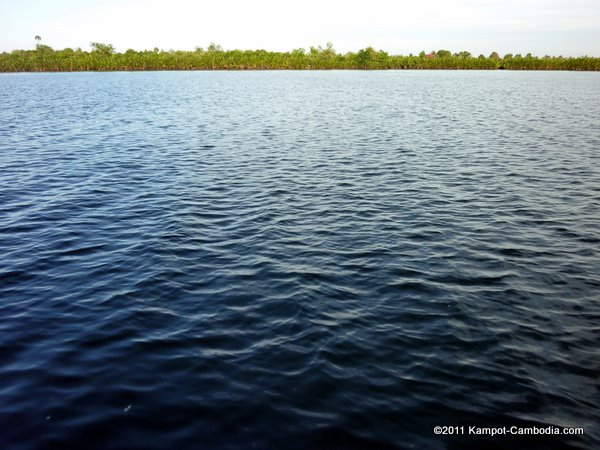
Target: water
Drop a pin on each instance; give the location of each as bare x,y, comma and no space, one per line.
298,259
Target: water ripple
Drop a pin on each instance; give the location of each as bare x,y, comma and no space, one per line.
298,260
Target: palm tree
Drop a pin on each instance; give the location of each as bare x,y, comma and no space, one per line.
37,40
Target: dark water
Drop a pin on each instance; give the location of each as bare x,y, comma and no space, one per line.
298,260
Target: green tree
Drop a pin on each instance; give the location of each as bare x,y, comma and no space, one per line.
104,57
329,49
366,57
45,49
212,48
103,49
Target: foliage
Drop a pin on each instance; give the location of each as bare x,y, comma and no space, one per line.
44,49
104,57
103,49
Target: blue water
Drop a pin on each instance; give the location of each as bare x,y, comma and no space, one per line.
298,260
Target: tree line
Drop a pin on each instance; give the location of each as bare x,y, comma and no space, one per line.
104,57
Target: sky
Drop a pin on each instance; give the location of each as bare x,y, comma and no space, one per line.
553,27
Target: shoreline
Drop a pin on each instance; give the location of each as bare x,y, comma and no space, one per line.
104,58
296,70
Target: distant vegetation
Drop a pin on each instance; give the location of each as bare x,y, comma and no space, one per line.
104,57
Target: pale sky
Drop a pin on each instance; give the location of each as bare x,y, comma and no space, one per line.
554,27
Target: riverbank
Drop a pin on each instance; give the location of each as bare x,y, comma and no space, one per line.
104,58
